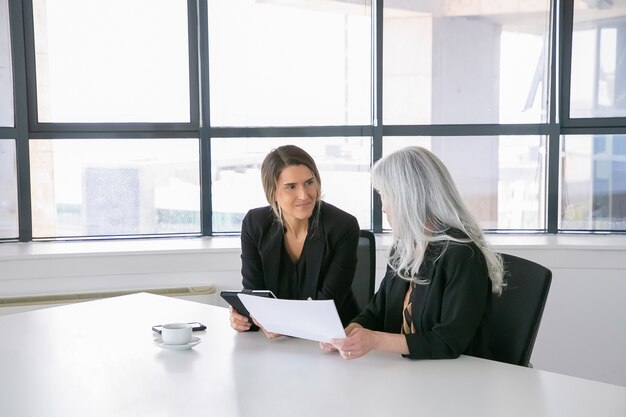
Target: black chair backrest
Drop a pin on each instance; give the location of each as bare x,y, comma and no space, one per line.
517,312
365,274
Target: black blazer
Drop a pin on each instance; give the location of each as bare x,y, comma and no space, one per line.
450,314
331,256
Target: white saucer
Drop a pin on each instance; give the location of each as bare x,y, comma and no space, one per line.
194,341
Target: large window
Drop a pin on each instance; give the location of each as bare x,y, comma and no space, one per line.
503,184
8,190
594,183
111,61
6,75
8,168
465,62
599,60
236,177
290,63
114,187
129,118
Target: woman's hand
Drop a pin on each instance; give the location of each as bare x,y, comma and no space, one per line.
337,344
239,322
359,341
350,328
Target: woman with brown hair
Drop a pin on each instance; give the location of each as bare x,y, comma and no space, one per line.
299,246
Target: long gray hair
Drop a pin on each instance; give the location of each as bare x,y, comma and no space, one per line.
425,205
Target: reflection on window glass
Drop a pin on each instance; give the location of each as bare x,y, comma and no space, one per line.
593,184
290,63
94,65
6,72
598,86
114,187
8,190
344,165
465,62
501,179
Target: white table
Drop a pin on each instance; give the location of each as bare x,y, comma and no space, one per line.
97,359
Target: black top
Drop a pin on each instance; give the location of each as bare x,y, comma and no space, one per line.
329,257
450,314
292,275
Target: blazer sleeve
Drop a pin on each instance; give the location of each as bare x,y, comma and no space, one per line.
251,263
337,280
372,317
466,288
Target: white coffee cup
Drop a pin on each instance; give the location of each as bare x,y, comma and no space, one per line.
176,333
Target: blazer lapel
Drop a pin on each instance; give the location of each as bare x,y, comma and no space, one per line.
399,287
427,271
398,292
428,266
315,246
271,252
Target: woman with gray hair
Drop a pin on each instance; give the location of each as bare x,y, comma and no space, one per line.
435,299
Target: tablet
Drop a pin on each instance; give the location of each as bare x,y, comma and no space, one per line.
231,298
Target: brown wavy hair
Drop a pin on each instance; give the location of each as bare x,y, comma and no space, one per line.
274,163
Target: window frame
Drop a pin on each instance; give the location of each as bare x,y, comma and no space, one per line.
27,127
586,124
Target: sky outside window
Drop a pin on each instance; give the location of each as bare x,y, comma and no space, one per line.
95,65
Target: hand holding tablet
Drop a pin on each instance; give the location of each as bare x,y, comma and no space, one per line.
240,319
231,297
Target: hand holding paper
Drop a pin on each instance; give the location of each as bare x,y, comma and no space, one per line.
307,319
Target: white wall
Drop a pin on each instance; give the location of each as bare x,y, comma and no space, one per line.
583,332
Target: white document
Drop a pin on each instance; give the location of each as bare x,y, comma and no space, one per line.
307,319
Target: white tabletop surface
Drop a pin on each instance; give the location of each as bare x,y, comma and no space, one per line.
98,359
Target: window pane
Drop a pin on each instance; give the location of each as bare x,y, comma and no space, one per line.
465,62
6,69
593,186
115,187
95,65
344,165
8,190
598,86
290,63
502,182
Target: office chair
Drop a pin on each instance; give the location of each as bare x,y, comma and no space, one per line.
364,276
517,312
